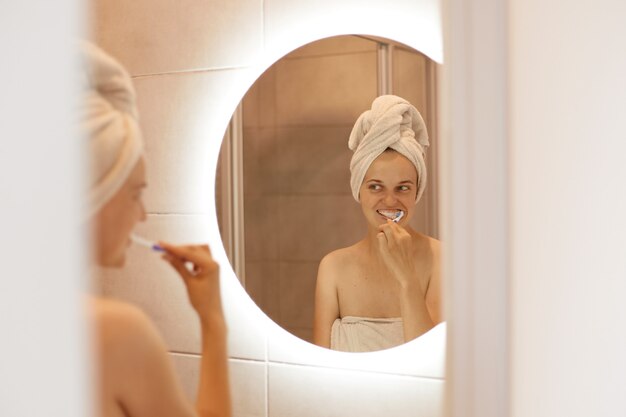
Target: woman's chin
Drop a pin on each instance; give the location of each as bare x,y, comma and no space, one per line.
117,260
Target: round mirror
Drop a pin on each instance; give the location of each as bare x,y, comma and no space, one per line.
284,199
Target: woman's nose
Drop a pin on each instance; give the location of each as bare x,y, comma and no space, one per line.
389,199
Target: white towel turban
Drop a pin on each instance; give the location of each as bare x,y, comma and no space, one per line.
108,120
391,123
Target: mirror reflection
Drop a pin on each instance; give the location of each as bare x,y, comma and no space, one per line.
285,200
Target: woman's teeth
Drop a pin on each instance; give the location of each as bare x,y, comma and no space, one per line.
394,214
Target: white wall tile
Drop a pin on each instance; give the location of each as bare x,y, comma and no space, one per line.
187,369
183,118
159,36
317,392
290,24
247,383
247,324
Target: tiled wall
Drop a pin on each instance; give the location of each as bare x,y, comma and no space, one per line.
192,62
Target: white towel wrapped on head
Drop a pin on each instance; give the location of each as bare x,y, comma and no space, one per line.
108,120
391,123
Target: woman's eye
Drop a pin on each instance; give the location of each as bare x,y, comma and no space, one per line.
375,187
404,188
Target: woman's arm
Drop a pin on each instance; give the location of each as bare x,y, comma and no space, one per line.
326,302
203,288
433,292
396,249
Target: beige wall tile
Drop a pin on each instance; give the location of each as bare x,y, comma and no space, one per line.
263,286
348,393
269,158
183,117
157,36
325,90
247,383
261,223
321,160
313,226
298,160
297,294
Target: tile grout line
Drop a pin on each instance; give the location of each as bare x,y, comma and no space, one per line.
230,358
164,214
190,71
325,367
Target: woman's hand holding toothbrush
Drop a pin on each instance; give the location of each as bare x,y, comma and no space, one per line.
200,273
396,250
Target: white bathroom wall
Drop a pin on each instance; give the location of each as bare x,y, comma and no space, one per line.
42,355
568,99
191,63
535,95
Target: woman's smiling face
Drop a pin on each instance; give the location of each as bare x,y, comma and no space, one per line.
390,184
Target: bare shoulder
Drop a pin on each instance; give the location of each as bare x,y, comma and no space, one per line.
122,326
435,246
340,260
428,249
337,258
116,313
425,242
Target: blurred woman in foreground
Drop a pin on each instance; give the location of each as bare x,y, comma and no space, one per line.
135,377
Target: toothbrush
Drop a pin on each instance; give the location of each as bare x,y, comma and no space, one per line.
399,216
146,243
155,247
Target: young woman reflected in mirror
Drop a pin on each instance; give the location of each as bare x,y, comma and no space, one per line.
134,375
385,289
